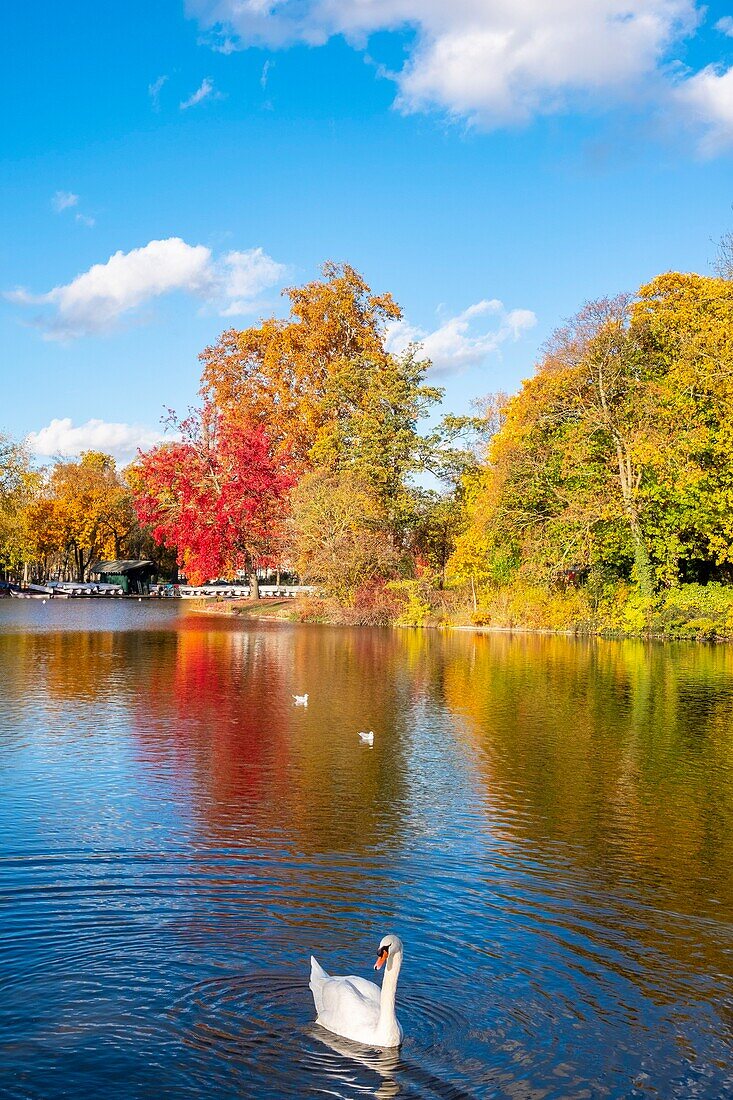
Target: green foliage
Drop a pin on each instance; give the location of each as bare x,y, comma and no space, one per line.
339,533
416,607
437,520
534,607
696,611
616,459
371,411
19,485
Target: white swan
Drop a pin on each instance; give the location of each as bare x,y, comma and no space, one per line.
301,700
356,1008
366,738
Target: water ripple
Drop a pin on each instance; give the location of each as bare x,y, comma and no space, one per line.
547,835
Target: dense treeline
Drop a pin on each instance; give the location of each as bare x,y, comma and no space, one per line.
304,452
600,496
612,470
56,522
301,456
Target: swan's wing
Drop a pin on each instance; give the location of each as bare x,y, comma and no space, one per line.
347,1007
369,990
317,980
318,974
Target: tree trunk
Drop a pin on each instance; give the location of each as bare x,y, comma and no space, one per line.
254,585
443,556
642,561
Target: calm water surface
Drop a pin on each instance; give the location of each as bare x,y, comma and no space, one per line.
547,824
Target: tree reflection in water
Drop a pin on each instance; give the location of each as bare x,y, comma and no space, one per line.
618,753
548,823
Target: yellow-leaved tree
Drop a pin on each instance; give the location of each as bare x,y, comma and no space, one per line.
84,514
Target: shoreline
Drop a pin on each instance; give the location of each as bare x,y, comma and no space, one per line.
254,609
269,609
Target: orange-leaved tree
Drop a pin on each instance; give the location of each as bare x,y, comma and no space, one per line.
288,373
83,512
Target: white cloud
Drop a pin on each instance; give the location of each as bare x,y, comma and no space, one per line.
725,25
94,301
220,42
706,99
490,61
60,437
66,200
204,91
154,91
462,342
62,200
245,275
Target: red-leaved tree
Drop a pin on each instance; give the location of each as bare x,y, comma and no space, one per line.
218,494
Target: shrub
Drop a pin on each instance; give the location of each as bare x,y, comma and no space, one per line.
415,603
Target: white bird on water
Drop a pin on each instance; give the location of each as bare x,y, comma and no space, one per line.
357,1009
301,700
366,738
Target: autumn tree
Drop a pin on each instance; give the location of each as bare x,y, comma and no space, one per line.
284,372
339,532
604,406
19,487
561,484
327,389
218,495
618,453
84,513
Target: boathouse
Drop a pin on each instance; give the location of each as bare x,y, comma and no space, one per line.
134,577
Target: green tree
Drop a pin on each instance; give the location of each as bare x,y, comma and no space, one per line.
327,389
618,454
19,486
685,325
339,533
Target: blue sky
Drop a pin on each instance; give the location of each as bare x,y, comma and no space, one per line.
493,165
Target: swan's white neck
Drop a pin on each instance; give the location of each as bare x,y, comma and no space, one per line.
388,1030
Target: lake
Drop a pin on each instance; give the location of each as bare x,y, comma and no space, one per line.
546,822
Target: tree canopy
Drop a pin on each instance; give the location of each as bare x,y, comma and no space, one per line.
217,494
618,453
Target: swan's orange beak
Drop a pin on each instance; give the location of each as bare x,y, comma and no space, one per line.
381,958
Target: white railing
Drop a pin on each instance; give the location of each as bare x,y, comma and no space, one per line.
242,591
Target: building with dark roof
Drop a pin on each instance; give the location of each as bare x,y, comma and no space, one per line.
134,577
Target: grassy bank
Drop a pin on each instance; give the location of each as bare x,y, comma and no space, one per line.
692,611
283,610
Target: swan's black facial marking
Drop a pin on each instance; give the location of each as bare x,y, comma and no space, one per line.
382,954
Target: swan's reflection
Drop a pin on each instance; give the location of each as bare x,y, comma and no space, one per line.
383,1062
